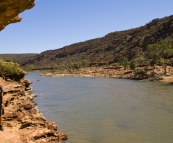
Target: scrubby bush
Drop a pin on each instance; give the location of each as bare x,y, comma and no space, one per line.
161,62
8,60
160,51
141,73
85,63
54,68
124,62
9,68
75,66
133,64
140,60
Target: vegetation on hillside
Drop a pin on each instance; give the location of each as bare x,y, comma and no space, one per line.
161,51
16,57
134,45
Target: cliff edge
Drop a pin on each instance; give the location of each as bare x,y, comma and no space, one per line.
9,10
22,121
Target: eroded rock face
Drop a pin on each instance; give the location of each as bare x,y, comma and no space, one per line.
22,121
9,10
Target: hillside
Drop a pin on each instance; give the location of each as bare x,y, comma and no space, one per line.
109,49
17,57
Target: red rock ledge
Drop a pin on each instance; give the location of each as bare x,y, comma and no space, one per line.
22,121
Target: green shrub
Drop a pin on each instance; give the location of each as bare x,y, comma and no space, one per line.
161,62
85,63
8,60
9,68
133,64
140,60
141,73
75,66
124,62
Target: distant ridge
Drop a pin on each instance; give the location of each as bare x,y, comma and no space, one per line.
17,57
130,43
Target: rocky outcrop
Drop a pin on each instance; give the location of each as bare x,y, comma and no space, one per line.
9,10
22,121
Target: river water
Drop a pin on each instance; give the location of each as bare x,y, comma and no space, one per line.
106,110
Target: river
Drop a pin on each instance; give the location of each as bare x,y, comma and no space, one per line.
106,110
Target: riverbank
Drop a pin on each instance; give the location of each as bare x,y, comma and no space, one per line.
141,73
106,110
22,121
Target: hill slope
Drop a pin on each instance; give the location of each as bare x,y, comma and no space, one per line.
17,57
108,49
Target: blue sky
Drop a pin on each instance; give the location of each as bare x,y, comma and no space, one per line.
52,24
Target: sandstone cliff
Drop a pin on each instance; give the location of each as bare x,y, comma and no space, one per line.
9,10
22,121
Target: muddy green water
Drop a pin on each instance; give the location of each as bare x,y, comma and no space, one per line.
106,110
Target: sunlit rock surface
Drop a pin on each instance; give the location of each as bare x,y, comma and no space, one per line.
9,10
22,121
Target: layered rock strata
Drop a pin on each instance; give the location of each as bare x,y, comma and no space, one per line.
22,121
9,10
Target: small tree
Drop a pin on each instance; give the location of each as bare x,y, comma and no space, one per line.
154,53
133,64
124,62
160,51
75,66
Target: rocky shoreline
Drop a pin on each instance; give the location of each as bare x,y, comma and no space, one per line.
22,121
152,74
